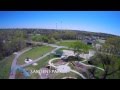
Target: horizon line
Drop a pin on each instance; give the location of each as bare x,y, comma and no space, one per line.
63,29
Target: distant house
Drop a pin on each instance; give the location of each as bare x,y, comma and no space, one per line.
66,54
29,44
89,41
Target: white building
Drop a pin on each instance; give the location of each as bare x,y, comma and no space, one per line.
67,53
88,55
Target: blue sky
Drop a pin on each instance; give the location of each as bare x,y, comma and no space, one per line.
95,21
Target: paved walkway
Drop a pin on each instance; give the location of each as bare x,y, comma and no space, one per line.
51,64
70,70
91,66
13,66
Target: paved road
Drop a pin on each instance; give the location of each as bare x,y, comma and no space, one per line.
13,66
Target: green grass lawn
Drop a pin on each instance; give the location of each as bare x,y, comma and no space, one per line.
5,66
65,49
69,43
34,53
66,43
69,40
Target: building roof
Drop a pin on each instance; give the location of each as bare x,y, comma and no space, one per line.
68,53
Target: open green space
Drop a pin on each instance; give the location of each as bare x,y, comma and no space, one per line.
34,53
66,43
69,40
65,49
71,43
5,66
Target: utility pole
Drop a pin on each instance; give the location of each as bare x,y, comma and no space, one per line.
61,25
56,25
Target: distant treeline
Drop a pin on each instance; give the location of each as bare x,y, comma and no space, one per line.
11,41
73,34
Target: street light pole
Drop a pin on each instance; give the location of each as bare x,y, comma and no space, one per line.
61,25
56,25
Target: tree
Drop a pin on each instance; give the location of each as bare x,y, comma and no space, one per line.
73,58
45,38
112,46
79,47
11,41
109,63
108,58
51,40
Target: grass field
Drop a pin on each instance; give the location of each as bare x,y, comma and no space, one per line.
66,43
5,66
34,53
69,43
69,40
